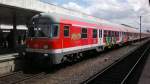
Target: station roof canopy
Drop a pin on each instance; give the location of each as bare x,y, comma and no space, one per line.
25,9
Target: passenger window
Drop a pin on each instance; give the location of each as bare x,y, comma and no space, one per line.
118,33
112,33
115,34
54,30
84,33
105,33
109,33
94,33
66,31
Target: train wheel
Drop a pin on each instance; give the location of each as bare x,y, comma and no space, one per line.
75,57
72,58
79,56
64,60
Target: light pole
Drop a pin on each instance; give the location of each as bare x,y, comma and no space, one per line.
140,27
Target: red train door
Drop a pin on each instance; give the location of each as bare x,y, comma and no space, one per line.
66,29
71,36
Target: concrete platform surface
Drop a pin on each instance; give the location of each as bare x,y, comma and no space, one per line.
8,56
145,76
9,63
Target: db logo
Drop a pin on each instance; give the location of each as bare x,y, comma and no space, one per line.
75,36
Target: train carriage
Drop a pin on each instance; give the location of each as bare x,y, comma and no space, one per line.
56,36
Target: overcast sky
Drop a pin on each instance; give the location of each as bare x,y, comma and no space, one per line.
118,11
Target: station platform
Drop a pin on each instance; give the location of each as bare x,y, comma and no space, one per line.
6,57
145,76
10,54
9,63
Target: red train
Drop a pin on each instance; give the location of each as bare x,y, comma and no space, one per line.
57,38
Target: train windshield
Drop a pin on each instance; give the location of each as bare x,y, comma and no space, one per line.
39,28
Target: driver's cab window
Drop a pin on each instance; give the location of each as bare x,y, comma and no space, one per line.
54,30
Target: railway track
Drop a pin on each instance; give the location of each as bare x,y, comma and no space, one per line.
18,77
29,78
119,72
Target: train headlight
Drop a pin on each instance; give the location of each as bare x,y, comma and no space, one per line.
45,55
23,53
45,46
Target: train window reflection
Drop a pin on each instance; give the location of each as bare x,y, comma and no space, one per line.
40,30
54,30
66,31
84,33
94,33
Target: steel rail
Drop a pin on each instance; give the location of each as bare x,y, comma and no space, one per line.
13,73
125,78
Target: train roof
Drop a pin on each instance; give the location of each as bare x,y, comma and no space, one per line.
56,18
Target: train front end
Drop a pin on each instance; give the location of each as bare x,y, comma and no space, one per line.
43,41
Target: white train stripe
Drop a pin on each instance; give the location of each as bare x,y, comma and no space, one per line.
84,26
61,50
78,47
